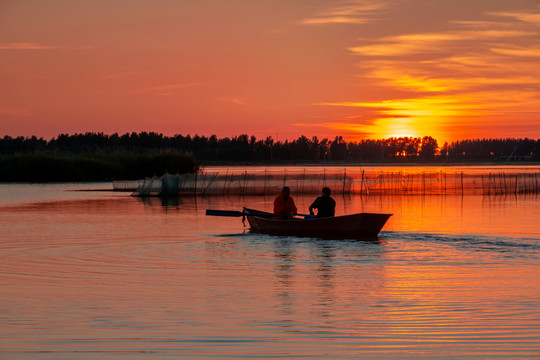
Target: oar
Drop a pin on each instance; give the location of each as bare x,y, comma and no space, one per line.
233,213
230,213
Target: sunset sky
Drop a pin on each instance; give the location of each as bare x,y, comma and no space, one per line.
457,69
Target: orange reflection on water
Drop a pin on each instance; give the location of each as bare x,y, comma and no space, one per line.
470,214
120,276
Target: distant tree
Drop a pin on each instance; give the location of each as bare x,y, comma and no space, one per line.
411,147
323,149
338,149
428,148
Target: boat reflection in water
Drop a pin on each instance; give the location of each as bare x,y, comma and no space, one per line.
354,226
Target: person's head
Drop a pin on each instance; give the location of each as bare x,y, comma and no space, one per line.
286,191
326,191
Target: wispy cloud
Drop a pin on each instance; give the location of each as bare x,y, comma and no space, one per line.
533,18
411,44
533,51
241,101
238,101
24,46
36,46
353,13
334,20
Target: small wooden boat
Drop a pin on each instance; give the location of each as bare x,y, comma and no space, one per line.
354,226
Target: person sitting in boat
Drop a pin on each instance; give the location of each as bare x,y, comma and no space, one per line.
284,203
325,205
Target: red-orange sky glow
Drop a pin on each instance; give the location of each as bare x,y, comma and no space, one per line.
453,70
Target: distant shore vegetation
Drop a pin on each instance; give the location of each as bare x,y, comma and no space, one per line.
97,156
54,167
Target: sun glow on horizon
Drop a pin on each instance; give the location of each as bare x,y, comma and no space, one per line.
360,69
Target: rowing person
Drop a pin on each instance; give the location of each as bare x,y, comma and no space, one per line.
325,204
284,204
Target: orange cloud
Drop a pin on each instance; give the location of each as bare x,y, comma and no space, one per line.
333,20
358,13
433,115
519,51
431,43
533,18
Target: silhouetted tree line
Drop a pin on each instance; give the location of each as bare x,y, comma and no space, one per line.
249,148
492,149
90,157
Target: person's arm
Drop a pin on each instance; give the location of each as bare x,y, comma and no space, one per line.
313,206
291,207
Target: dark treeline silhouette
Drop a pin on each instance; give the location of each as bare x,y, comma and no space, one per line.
492,149
90,157
45,167
249,148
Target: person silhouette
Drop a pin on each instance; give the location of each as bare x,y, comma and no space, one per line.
284,204
325,204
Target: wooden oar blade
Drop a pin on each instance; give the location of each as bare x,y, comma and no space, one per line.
230,213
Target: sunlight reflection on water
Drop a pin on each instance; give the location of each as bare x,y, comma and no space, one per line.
110,276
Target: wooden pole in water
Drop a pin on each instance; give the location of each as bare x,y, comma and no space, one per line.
445,183
264,186
405,179
195,186
303,180
225,181
462,183
344,177
362,182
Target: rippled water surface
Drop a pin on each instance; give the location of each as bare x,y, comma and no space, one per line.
97,274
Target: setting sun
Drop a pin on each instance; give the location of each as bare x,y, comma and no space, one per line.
265,179
358,70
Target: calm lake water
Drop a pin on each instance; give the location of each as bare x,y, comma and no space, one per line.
100,274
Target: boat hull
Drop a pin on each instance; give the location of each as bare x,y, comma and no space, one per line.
354,226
